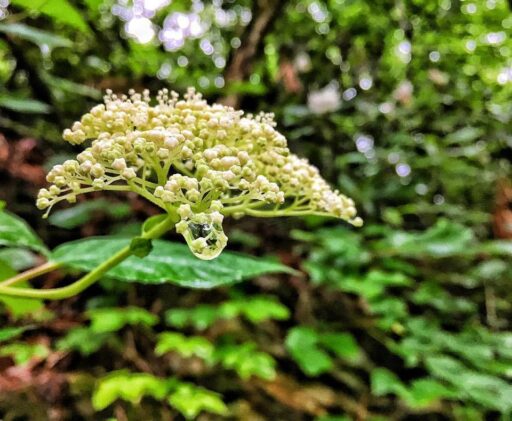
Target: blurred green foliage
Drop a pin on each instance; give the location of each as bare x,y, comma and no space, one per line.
406,318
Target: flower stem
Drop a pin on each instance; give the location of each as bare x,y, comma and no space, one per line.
91,277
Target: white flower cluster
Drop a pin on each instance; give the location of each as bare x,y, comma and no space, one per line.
187,155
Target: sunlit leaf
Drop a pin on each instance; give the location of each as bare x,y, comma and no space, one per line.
191,400
185,346
60,11
131,387
246,360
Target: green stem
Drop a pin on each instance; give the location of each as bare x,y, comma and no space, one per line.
144,193
93,276
284,212
31,273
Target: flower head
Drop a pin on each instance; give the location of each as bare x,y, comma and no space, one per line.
200,161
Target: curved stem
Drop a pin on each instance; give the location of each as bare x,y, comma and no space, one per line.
31,273
93,276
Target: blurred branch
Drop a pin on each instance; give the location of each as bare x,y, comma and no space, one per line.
240,63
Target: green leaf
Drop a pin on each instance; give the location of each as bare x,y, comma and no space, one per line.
15,232
201,316
24,105
186,346
464,135
191,400
131,387
246,360
373,284
426,391
59,10
83,212
84,340
37,36
168,262
487,390
16,306
445,238
422,393
302,343
255,309
18,258
67,85
342,344
20,307
22,352
7,333
104,320
384,382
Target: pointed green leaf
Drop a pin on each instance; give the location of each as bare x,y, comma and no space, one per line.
167,262
7,333
16,232
24,105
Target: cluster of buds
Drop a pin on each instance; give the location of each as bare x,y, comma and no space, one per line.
207,161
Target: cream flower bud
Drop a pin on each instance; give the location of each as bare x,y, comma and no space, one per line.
54,190
98,184
159,191
217,217
119,164
199,244
210,154
193,195
185,211
171,142
45,193
168,197
228,161
42,203
163,153
97,170
86,167
181,227
216,205
129,173
186,152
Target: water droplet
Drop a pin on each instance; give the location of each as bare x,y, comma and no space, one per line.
204,236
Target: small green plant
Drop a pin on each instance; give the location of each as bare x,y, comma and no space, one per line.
197,162
187,398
